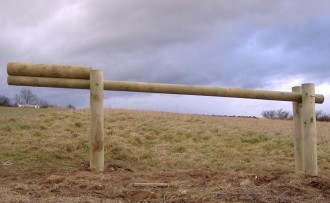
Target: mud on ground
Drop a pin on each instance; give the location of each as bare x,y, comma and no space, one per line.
117,184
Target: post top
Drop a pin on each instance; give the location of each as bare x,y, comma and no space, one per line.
308,84
296,88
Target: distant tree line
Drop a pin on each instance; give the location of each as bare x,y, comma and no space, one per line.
285,115
321,116
277,114
26,96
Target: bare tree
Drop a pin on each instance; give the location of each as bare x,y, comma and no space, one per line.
43,103
271,114
4,101
70,106
279,114
26,97
319,114
283,115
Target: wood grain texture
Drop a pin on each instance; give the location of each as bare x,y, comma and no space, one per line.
310,133
298,133
97,121
48,70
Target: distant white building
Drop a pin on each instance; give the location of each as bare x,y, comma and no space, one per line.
28,106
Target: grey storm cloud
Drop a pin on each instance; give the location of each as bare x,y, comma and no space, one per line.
244,43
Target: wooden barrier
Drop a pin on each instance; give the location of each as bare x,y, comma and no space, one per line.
162,88
80,77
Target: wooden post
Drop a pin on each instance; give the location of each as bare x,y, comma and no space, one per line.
298,133
97,121
309,120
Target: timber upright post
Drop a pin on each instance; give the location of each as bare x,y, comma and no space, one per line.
298,133
310,133
97,121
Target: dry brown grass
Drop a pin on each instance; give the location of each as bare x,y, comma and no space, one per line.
36,143
176,141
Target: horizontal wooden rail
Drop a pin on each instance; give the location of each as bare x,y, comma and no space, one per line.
47,70
162,88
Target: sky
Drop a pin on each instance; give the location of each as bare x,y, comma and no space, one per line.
255,44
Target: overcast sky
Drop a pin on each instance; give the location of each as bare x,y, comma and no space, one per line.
254,44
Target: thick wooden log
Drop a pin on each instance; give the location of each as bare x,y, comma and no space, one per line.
97,121
204,91
48,82
162,88
298,133
310,133
48,70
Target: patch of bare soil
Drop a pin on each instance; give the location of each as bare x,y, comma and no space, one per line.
120,184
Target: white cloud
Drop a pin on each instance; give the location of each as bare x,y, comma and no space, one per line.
247,43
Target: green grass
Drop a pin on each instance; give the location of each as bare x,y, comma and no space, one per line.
78,124
253,137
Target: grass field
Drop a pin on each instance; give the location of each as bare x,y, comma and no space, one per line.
44,157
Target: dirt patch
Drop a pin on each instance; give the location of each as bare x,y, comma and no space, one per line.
117,185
